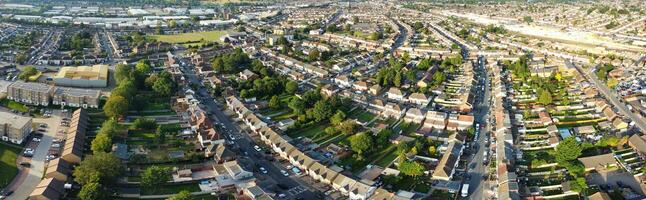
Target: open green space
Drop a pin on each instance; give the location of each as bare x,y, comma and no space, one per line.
14,105
356,164
194,37
387,159
170,189
8,156
309,131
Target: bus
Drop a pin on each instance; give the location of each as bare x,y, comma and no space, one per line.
465,190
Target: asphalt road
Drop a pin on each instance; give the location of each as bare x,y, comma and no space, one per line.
244,147
476,184
612,97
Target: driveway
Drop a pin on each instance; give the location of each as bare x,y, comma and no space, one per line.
28,178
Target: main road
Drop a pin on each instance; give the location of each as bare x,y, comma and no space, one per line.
611,96
476,168
274,179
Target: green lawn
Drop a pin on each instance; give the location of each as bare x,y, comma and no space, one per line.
14,105
365,116
208,36
170,189
386,160
358,165
8,156
309,132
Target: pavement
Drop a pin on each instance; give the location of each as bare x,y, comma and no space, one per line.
477,185
244,146
28,178
612,97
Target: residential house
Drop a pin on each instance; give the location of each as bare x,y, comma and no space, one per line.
343,81
395,94
375,90
414,115
361,191
343,184
248,75
449,161
360,86
598,162
419,99
638,143
58,169
48,189
392,110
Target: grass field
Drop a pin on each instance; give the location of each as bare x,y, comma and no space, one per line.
170,189
208,36
8,156
14,105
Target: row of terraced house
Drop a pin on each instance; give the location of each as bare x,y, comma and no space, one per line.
331,175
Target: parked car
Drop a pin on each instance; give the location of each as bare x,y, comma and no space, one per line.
257,148
285,173
263,170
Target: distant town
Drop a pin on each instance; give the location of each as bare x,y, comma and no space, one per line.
362,100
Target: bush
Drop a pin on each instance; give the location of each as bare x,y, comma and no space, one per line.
144,124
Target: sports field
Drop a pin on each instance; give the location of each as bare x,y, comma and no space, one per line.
194,37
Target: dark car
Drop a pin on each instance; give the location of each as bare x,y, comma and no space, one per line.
25,164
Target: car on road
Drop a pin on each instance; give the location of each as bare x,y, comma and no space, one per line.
257,148
263,170
6,194
281,195
285,173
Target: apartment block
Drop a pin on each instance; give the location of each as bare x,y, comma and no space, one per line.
14,128
75,97
30,93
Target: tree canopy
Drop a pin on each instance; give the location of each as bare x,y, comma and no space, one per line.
411,168
567,150
361,143
104,167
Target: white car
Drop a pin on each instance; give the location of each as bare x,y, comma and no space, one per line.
257,148
284,173
263,170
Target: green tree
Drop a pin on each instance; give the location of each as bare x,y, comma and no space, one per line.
291,87
102,143
361,143
432,151
331,130
144,124
182,195
21,58
93,191
150,81
567,150
154,176
411,168
612,83
297,105
103,166
545,97
337,118
27,72
122,72
383,137
116,106
274,102
172,23
314,55
164,86
143,67
347,127
322,110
